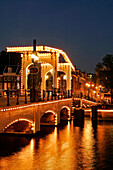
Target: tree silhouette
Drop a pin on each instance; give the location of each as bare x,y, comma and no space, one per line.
104,72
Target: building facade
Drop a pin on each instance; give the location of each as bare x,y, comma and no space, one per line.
10,79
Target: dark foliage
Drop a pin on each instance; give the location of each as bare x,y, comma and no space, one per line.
104,72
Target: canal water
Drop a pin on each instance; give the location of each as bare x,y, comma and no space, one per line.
70,146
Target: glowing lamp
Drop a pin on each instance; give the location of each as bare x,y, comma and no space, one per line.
33,56
46,77
88,85
51,71
65,77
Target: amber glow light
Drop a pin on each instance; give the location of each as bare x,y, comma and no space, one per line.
17,121
87,84
33,56
65,77
50,111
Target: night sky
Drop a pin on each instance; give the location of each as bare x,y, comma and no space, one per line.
82,28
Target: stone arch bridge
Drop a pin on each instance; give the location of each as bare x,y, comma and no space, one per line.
42,113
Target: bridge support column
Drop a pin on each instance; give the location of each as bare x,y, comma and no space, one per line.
43,72
69,78
22,72
55,70
79,117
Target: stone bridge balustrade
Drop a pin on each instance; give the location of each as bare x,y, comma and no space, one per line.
34,112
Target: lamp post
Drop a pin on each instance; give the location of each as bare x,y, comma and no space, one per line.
88,85
34,59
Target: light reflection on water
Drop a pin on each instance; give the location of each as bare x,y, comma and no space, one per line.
66,147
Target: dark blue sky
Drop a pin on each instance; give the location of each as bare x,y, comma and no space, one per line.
82,28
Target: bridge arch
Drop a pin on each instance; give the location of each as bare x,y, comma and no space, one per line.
49,117
65,113
19,125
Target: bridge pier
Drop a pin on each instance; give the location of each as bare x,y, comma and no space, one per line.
94,114
78,114
79,117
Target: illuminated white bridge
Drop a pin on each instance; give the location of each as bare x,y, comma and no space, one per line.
35,114
43,68
55,66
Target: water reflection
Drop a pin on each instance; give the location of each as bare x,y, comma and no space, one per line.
10,144
68,146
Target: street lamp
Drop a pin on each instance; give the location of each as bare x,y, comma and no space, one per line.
34,57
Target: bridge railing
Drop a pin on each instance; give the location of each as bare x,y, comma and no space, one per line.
46,95
79,95
13,97
16,96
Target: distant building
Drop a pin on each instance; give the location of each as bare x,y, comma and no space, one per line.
83,84
10,79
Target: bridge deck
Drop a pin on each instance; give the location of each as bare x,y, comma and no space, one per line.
13,101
